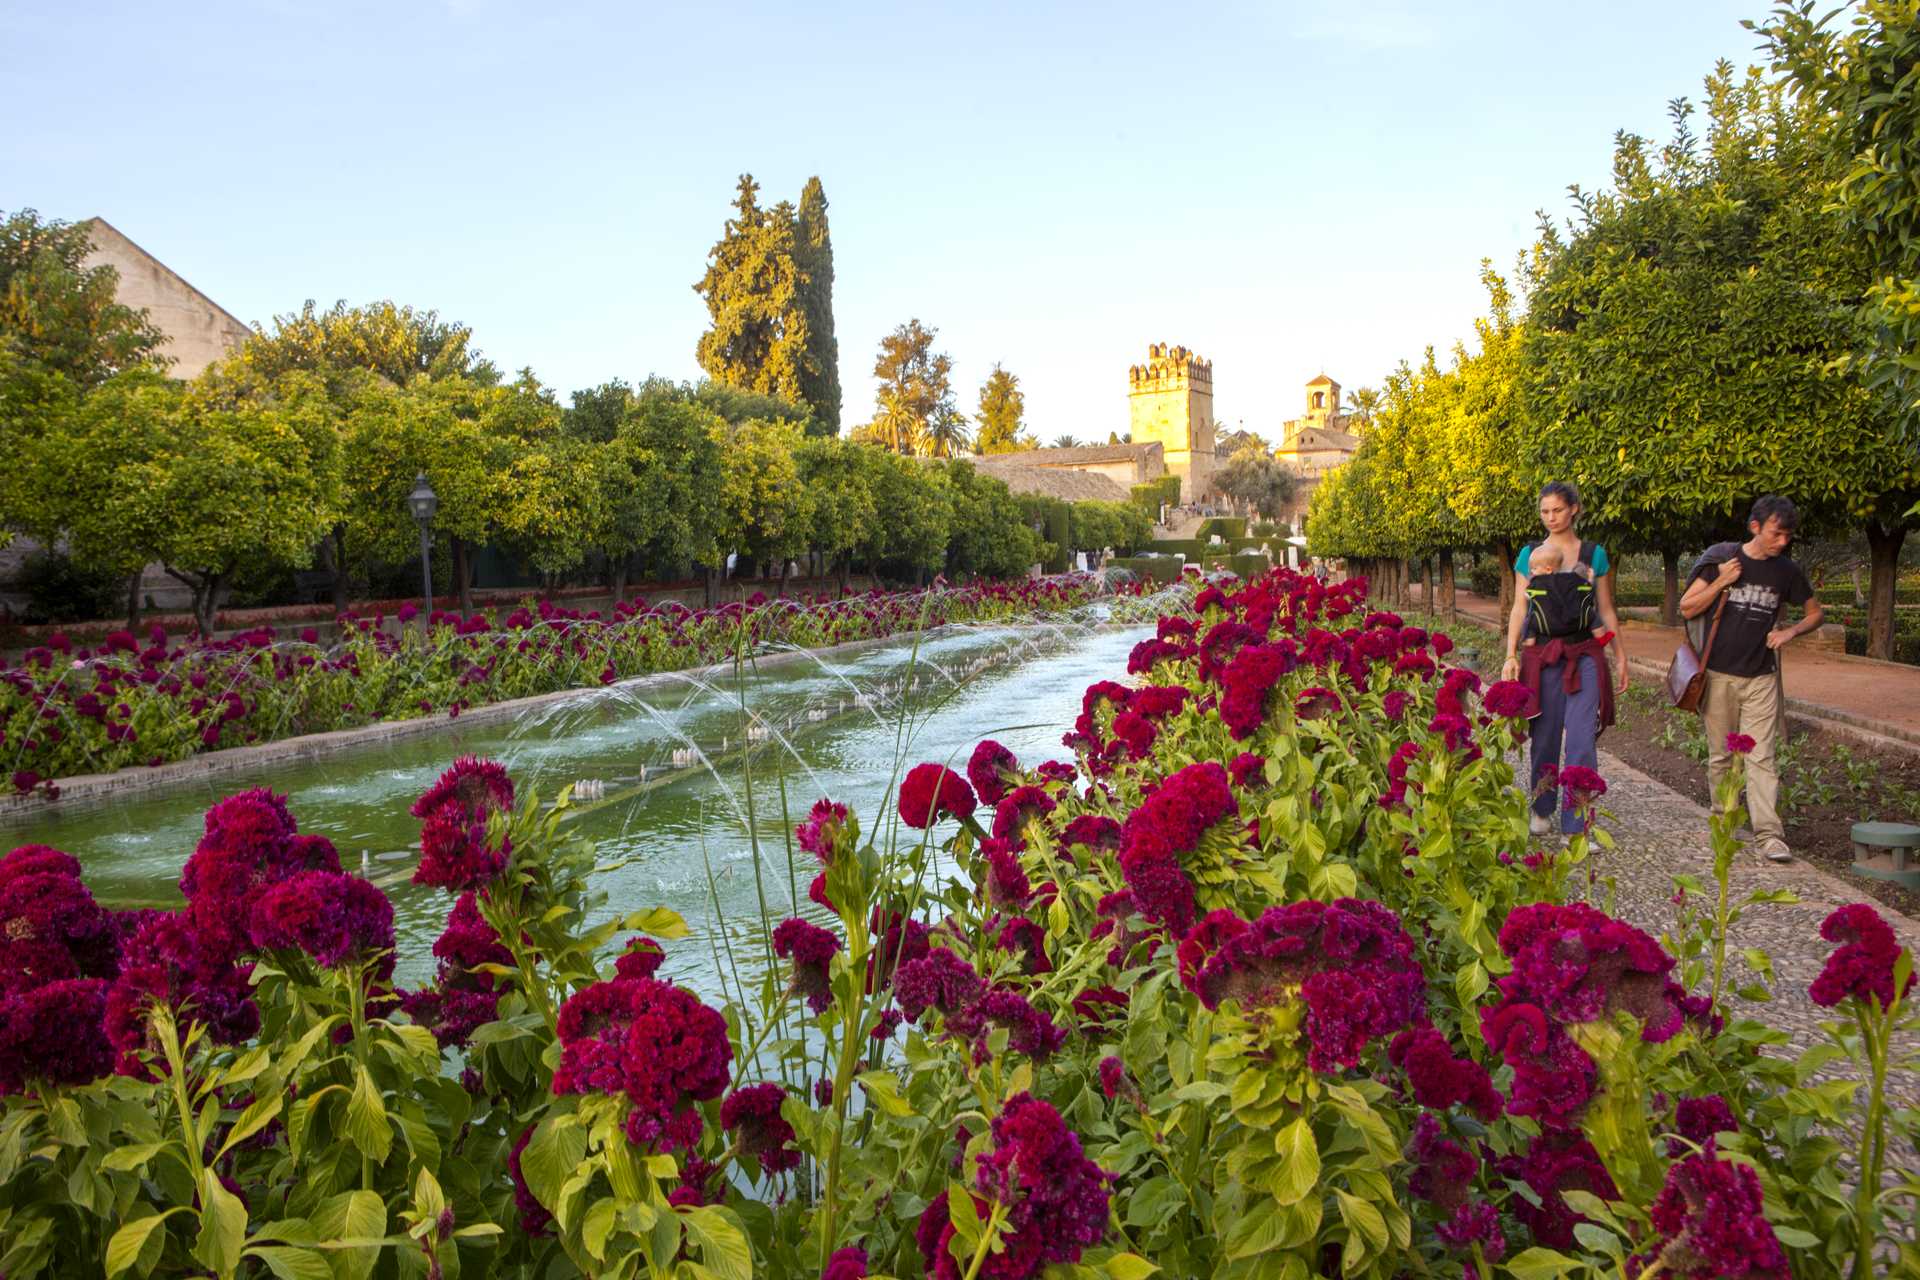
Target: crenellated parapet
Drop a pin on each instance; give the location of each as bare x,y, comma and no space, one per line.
1169,367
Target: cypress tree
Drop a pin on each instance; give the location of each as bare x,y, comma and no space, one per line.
820,383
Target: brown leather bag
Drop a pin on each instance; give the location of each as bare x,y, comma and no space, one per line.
1687,673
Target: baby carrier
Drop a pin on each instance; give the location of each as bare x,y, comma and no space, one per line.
1560,605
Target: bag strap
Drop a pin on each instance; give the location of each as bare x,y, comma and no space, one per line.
1713,631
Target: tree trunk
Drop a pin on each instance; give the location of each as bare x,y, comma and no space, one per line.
1670,591
1504,549
1883,556
133,599
206,597
1448,605
620,566
1427,600
706,586
334,548
780,592
846,570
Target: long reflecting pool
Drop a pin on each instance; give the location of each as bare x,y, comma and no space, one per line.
668,763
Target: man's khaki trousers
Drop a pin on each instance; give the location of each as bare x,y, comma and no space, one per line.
1749,705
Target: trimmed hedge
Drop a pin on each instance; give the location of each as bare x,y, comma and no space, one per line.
1229,527
1159,568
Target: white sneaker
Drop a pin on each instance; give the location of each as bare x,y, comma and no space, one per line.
1776,851
1539,824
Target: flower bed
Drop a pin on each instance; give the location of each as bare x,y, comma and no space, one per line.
1266,981
66,711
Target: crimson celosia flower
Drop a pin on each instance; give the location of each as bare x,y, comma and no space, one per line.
1113,1075
932,791
1439,1079
462,998
1739,744
1031,1032
938,980
1093,831
811,949
1582,785
991,769
1553,1163
1863,965
1509,698
1394,705
1098,1007
1711,1225
1248,770
51,929
849,1263
1007,884
1017,808
752,1115
652,1041
1246,683
454,851
1028,940
642,959
1316,703
1697,1119
897,941
55,1034
1165,828
1056,1198
1135,733
1578,964
1553,1078
1157,702
822,833
334,918
534,1218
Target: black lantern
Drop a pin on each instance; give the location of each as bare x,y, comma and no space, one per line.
423,502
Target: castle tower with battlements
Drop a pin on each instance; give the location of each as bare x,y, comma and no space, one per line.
1170,402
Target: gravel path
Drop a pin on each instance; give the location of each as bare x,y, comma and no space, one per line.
1661,833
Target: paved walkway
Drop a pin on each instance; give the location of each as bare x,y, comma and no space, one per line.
1881,697
1662,833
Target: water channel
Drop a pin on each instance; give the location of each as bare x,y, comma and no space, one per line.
667,756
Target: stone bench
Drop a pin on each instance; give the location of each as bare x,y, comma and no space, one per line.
1887,851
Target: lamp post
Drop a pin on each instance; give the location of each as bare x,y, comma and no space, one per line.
423,502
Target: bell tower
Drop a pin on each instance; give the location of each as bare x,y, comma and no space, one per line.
1170,402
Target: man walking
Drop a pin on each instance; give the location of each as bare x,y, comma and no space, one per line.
1744,584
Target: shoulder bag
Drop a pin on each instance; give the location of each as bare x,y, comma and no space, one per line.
1687,673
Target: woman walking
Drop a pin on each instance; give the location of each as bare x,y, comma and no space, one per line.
1569,675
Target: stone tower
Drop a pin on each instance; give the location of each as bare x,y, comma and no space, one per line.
1323,402
1170,399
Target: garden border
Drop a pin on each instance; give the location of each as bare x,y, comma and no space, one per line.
90,787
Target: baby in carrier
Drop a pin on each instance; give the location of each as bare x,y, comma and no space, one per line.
1559,600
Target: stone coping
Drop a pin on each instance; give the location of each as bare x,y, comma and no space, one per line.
135,779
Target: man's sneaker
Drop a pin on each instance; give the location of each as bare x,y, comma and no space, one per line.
1539,823
1776,850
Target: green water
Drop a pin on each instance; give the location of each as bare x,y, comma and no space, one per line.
841,725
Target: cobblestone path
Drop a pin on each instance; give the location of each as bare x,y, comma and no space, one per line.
1661,833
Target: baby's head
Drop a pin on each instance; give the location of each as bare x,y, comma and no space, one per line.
1545,559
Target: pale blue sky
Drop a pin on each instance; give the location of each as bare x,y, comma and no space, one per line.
1282,187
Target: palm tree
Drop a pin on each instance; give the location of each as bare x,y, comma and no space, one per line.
1065,442
1362,404
945,436
894,425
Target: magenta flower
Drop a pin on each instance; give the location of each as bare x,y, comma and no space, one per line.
652,1041
1056,1197
811,949
849,1263
1739,744
938,980
1710,1222
1165,829
1019,807
1007,883
55,1034
642,959
1509,698
932,791
534,1218
1553,1163
454,852
1092,831
1316,704
1441,1080
1578,964
1113,1075
1863,965
1582,785
992,769
752,1116
334,918
462,998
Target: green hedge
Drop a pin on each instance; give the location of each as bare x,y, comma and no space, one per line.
1191,548
1226,526
1159,568
1154,493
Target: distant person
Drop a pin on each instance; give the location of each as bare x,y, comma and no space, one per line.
1743,585
1572,684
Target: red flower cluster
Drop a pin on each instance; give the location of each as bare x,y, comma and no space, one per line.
1711,1225
1556,1162
462,998
1168,826
930,792
811,949
1247,682
1056,1198
336,919
821,833
454,853
1349,961
1017,808
653,1041
992,769
1443,1174
752,1116
1439,1079
1863,966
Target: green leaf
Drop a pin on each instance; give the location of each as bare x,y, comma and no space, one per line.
367,1126
552,1156
1130,1266
1540,1263
1253,1234
1597,1238
1202,1091
1299,1172
127,1159
661,922
884,1088
292,1264
130,1238
1795,1238
596,1225
722,1244
1363,1219
251,1121
1470,982
223,1226
352,1215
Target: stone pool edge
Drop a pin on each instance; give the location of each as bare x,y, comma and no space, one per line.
93,786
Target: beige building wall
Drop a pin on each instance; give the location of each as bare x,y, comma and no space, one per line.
199,330
1170,403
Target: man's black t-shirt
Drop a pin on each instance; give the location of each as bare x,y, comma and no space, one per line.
1752,609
